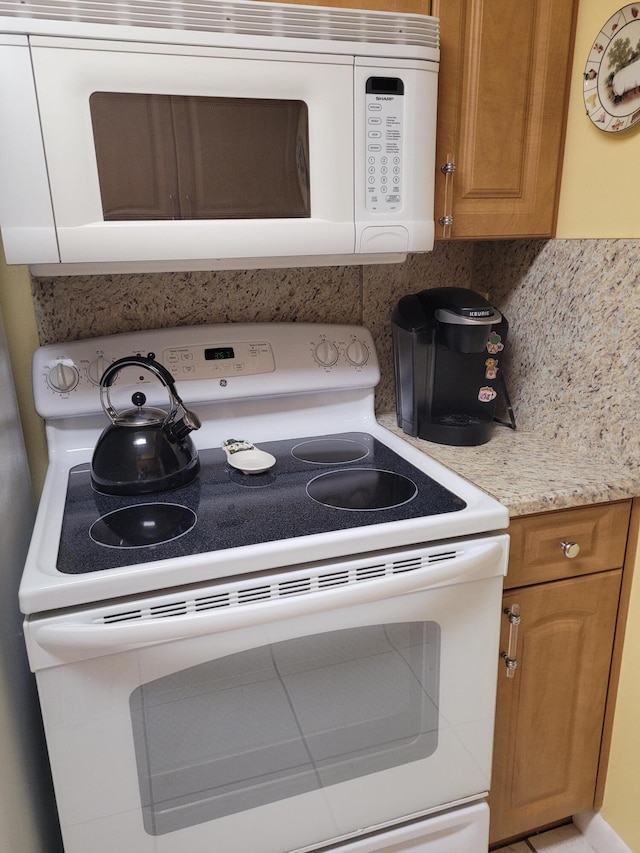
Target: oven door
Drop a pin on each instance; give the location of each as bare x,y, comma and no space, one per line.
160,154
278,713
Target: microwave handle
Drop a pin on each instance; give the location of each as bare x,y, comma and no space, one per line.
58,637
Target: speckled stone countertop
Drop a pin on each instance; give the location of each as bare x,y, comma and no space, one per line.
529,473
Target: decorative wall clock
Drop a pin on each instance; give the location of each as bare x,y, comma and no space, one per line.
612,72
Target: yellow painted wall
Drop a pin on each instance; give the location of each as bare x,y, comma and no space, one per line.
22,340
622,792
600,178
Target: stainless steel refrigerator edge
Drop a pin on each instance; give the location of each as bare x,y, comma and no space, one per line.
28,822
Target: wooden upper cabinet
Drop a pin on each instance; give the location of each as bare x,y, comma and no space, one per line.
503,88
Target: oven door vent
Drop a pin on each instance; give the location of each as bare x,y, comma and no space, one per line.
282,586
368,572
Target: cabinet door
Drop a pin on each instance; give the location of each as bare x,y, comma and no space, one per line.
549,715
501,112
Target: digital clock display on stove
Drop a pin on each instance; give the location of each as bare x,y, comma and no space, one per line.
218,353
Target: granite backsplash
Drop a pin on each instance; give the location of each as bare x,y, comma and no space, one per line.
573,308
573,355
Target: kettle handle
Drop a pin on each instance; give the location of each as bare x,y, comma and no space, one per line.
179,429
147,362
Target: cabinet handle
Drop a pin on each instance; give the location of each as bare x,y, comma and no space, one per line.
570,549
509,657
446,220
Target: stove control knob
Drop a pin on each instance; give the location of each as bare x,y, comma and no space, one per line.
326,353
357,353
97,368
63,377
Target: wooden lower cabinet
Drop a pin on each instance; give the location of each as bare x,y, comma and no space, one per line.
550,714
569,577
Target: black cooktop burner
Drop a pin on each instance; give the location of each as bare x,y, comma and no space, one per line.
363,489
290,500
252,481
330,451
142,525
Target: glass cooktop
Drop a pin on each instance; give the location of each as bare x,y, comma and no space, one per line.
317,485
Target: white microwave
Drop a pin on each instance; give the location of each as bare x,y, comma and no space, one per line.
140,137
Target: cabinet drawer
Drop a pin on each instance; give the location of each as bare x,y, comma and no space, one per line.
539,542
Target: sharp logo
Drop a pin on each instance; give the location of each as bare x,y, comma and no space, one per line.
384,97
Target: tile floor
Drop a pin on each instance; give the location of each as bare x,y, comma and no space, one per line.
564,839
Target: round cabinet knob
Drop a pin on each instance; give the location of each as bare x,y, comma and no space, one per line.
326,353
570,549
97,368
357,353
63,378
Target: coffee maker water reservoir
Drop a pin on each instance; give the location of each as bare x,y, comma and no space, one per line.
447,344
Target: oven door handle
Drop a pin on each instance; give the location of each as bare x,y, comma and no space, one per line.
478,560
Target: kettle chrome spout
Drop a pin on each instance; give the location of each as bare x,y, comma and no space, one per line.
187,422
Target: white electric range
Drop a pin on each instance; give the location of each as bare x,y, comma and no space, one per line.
283,661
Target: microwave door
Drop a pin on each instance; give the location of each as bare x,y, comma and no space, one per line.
213,158
158,157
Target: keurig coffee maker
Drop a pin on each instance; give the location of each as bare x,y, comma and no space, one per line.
447,345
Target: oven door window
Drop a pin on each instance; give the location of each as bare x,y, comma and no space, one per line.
276,721
188,157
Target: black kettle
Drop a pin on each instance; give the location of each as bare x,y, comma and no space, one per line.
144,450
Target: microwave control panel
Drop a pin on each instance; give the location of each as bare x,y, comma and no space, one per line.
384,105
